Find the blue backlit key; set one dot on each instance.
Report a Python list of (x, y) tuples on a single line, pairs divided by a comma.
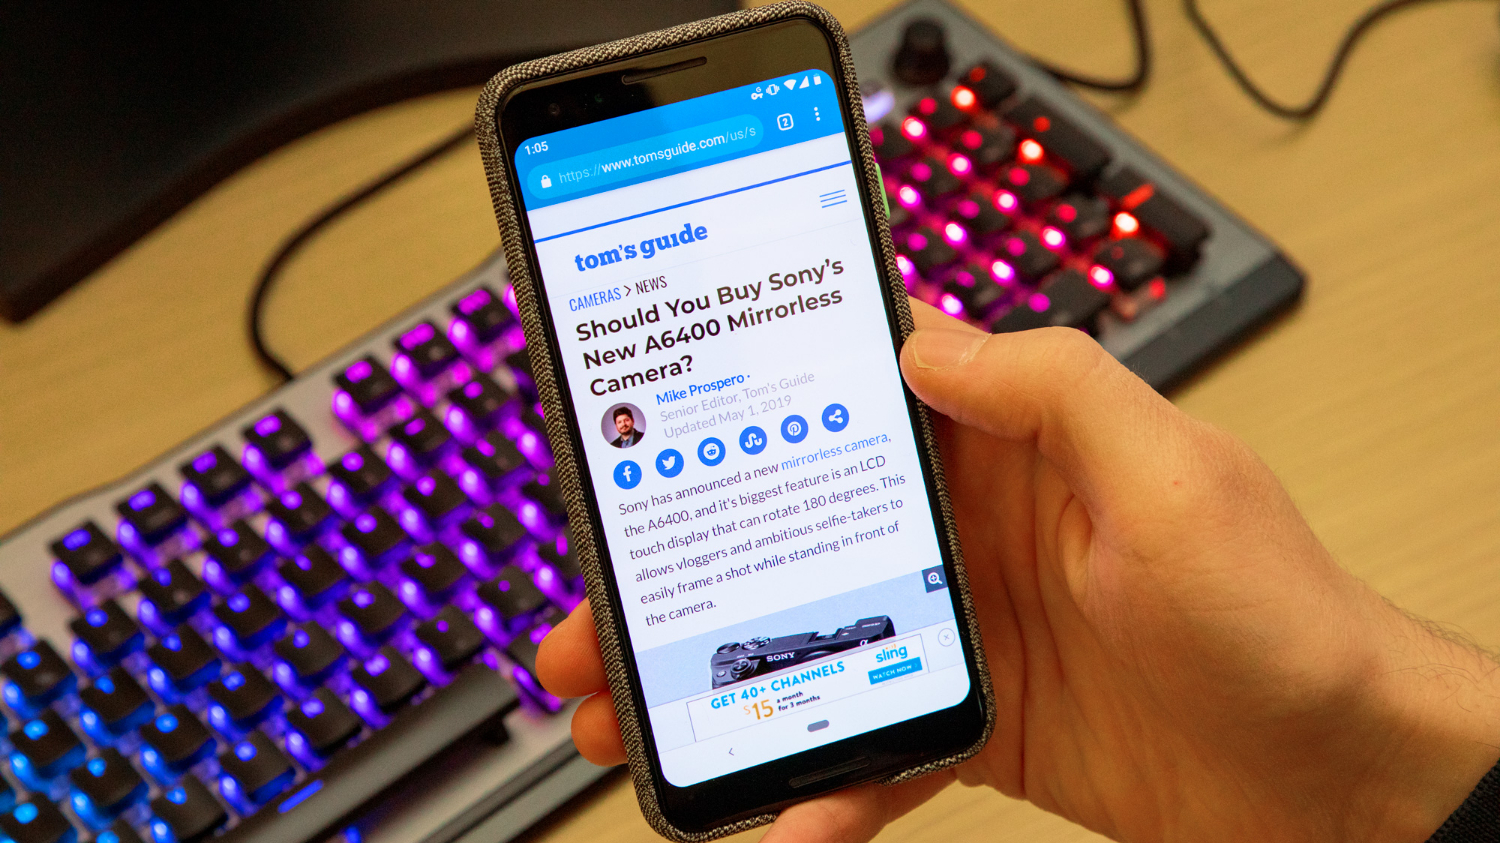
[(308, 654), (174, 741), (113, 705), (373, 614), (36, 821), (105, 785), (183, 662), (37, 676), (249, 617), (242, 698), (152, 514), (105, 635), (321, 724), (87, 553), (254, 770), (186, 813), (312, 577), (45, 747), (236, 553), (171, 594), (384, 682)]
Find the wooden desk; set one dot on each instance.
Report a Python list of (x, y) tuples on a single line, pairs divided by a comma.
[(1378, 402)]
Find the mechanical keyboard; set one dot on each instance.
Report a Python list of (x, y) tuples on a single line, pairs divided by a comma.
[(319, 618)]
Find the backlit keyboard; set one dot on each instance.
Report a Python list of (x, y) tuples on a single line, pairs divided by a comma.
[(319, 618)]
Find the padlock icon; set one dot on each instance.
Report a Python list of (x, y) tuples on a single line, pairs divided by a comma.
[(546, 182)]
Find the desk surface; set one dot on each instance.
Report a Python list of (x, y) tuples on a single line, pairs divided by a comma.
[(1377, 402)]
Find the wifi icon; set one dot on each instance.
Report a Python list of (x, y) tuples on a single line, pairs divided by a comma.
[(791, 83)]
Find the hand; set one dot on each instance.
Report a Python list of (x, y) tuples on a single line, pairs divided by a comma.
[(1175, 655)]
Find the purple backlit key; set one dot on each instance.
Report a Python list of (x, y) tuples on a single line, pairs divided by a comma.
[(300, 510), (87, 553), (152, 513), (368, 384), (422, 436), (278, 438), (216, 475), (485, 314), (362, 473), (481, 399), (427, 349)]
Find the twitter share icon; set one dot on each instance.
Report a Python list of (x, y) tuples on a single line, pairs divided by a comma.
[(627, 475), (669, 463)]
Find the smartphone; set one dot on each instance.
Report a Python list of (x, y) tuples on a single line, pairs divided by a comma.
[(713, 314)]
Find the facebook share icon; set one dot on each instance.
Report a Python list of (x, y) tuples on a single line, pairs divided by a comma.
[(711, 451), (627, 475), (835, 417), (752, 440), (669, 463)]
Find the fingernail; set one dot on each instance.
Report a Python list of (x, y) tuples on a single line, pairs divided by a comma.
[(944, 349)]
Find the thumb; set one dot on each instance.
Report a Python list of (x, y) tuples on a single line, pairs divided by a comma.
[(1104, 429)]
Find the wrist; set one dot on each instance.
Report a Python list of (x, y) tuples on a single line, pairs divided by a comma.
[(1434, 728)]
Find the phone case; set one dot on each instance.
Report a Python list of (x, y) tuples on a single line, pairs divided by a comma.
[(581, 533)]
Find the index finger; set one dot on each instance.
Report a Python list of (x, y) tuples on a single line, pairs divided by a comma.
[(569, 663)]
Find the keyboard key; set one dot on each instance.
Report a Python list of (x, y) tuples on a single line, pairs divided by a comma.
[(939, 113), (300, 510), (216, 475), (990, 84), (523, 648), (475, 701), (87, 553), (386, 681), (36, 821), (172, 595), (889, 143), (1064, 142), (310, 653), (368, 383), (244, 698), (1035, 184), (1082, 218), (549, 495), (485, 313), (373, 612), (258, 769), (1179, 231), (509, 602), (436, 496), (44, 747), (251, 617), (375, 534), (183, 662), (109, 783), (481, 399), (1026, 254), (363, 474), (451, 637), (981, 218), (1132, 261), (427, 349), (496, 533), (238, 551), (496, 458), (114, 705), (975, 290), (279, 438), (519, 363), (323, 723), (152, 513), (120, 831), (1072, 300), (435, 572), (422, 435), (988, 147), (37, 676), (106, 634), (933, 180), (177, 739), (565, 563), (314, 576), (186, 813)]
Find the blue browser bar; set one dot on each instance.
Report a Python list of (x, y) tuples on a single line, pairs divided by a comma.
[(672, 151), (674, 138)]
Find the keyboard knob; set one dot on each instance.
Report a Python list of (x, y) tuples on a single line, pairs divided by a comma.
[(923, 56)]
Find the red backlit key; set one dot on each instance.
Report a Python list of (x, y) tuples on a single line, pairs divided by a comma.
[(890, 144), (933, 179), (1024, 251), (980, 216), (938, 113), (1132, 261), (1072, 300), (1179, 231), (1080, 217), (988, 148), (928, 250), (989, 83), (1062, 141), (1035, 184)]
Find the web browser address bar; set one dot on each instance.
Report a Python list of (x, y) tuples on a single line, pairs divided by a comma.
[(593, 170)]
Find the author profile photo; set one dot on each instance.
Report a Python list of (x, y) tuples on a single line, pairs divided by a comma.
[(623, 426)]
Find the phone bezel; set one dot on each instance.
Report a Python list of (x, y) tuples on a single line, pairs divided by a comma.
[(746, 56)]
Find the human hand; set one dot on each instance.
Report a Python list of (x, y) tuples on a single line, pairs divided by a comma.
[(1175, 655)]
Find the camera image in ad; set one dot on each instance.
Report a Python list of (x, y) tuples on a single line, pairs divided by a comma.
[(741, 660), (624, 425)]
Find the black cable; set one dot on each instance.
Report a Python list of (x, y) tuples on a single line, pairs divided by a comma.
[(1335, 68), (292, 244), (1130, 84)]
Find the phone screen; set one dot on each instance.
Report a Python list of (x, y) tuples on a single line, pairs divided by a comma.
[(727, 350)]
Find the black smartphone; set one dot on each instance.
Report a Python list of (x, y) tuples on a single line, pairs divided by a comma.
[(713, 314)]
